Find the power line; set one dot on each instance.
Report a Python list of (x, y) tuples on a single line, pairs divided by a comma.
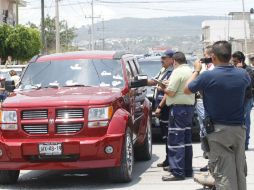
[(128, 2)]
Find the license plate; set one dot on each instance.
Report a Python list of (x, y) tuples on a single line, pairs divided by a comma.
[(50, 149)]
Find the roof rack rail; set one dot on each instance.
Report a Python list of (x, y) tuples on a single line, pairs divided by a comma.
[(34, 58), (119, 54)]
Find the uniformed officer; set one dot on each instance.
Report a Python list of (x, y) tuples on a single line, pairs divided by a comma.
[(181, 116), (224, 94), (162, 109)]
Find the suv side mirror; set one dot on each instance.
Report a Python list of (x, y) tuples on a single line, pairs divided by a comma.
[(139, 81), (10, 86)]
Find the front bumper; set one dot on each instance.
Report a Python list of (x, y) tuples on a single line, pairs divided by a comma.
[(86, 153)]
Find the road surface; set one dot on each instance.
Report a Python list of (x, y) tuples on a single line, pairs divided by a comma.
[(146, 175)]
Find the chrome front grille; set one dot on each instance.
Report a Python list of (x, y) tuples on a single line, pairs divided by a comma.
[(34, 114), (68, 128), (69, 113), (36, 129)]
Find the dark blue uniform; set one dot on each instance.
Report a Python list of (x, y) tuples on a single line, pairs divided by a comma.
[(164, 117)]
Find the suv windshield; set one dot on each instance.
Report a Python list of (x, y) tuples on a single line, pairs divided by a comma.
[(64, 73)]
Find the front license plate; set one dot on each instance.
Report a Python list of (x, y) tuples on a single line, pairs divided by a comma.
[(50, 149)]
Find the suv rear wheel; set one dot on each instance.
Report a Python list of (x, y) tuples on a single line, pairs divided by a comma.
[(9, 176), (144, 152), (123, 173)]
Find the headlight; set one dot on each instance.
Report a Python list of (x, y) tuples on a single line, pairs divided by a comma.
[(9, 120), (96, 114), (99, 117)]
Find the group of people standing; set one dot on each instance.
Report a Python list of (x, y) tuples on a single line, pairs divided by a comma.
[(224, 106)]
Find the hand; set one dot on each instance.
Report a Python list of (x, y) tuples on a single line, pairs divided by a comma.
[(166, 82), (158, 112), (198, 66), (160, 89)]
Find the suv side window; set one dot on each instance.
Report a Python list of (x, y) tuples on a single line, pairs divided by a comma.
[(133, 67), (128, 70), (137, 66)]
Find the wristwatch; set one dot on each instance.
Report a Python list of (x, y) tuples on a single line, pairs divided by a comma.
[(159, 107)]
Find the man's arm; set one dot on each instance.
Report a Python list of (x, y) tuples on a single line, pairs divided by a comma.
[(151, 83), (173, 84), (198, 68), (169, 93), (161, 105)]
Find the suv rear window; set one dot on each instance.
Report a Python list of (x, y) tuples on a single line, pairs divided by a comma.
[(103, 73)]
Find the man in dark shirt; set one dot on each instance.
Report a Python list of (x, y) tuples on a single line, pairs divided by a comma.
[(238, 59), (223, 93)]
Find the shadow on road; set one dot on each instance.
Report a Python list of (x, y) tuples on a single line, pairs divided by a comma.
[(76, 179)]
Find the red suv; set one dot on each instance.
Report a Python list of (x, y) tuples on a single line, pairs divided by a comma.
[(79, 110)]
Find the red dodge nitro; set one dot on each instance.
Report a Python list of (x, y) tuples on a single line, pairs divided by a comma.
[(79, 110)]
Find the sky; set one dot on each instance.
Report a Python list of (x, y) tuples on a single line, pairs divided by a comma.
[(77, 12)]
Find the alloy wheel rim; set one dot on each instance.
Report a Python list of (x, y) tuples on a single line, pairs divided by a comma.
[(129, 154)]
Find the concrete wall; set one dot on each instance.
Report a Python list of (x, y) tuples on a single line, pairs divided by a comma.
[(10, 6), (216, 30)]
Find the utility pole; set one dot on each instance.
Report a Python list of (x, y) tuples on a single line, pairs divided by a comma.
[(66, 36), (90, 38), (17, 12), (92, 29), (42, 27), (57, 26), (92, 35), (245, 29), (102, 29), (103, 34)]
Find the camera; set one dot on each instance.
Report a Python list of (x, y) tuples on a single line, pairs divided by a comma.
[(206, 60)]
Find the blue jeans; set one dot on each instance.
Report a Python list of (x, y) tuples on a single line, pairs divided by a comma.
[(247, 110), (201, 116)]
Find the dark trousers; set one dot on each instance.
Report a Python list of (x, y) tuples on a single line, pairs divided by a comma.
[(164, 121), (247, 111), (179, 141)]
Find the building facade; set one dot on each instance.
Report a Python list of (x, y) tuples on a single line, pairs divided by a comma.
[(230, 29), (8, 11)]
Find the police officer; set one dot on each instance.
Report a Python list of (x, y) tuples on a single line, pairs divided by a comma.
[(181, 116), (162, 109), (223, 95)]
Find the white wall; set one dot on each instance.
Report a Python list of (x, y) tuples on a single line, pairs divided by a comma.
[(225, 29)]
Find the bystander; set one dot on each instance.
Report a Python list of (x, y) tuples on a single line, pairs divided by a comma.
[(224, 93)]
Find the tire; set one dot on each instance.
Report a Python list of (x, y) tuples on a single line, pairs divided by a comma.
[(123, 174), (144, 152), (9, 176)]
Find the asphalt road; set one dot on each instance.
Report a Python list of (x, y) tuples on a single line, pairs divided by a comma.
[(146, 175)]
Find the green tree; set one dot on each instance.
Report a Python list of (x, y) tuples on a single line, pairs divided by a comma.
[(5, 31), (23, 43), (67, 35)]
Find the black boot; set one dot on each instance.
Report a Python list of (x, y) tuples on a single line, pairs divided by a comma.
[(204, 169), (163, 164)]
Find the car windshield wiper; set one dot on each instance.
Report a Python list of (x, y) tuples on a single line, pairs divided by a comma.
[(77, 85)]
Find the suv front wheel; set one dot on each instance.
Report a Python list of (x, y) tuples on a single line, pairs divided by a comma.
[(9, 176), (144, 152), (124, 172)]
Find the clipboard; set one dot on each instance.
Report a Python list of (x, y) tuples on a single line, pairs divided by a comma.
[(159, 82)]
